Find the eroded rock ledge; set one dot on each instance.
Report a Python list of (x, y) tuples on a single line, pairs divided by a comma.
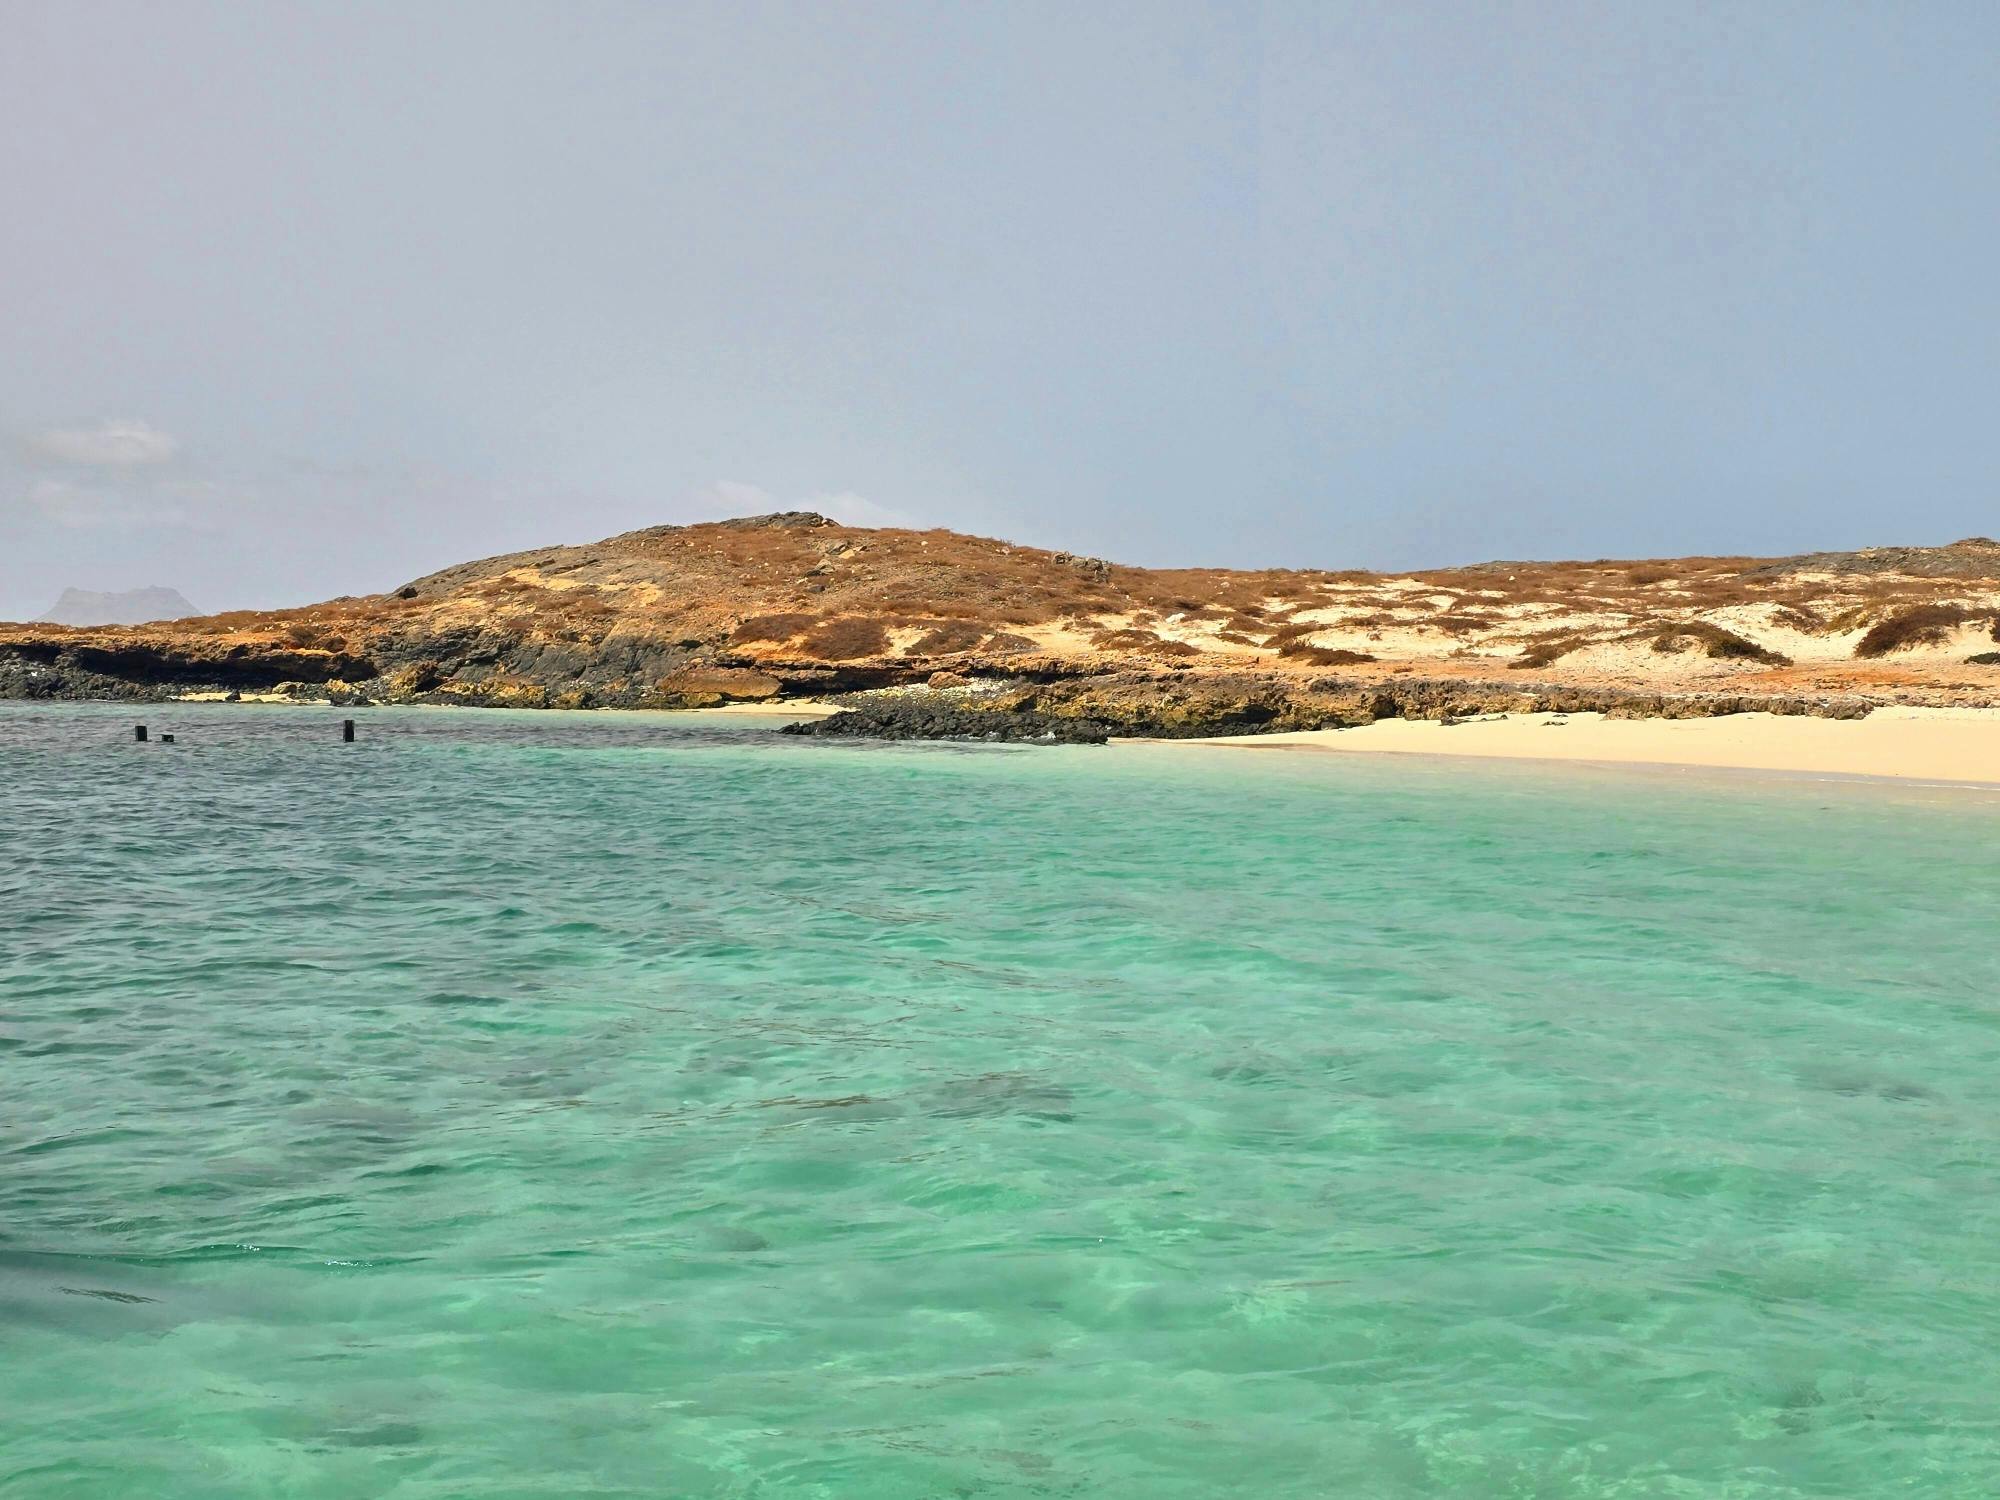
[(1187, 705), (1072, 700), (931, 718)]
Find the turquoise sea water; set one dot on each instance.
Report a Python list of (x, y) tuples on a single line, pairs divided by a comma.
[(547, 1106)]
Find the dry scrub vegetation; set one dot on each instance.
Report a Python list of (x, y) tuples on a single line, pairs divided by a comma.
[(1923, 625), (773, 592)]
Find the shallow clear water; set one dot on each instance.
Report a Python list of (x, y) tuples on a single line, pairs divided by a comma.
[(522, 1106)]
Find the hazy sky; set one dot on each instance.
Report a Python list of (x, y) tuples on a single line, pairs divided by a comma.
[(301, 299)]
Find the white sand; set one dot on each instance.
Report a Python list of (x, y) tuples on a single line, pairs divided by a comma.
[(1926, 744)]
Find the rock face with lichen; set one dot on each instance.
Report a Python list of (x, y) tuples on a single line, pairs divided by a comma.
[(767, 609)]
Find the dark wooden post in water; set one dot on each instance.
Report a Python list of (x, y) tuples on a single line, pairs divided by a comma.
[(347, 731), (139, 732), (166, 739)]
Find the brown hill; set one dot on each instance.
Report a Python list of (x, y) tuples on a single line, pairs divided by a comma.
[(792, 604)]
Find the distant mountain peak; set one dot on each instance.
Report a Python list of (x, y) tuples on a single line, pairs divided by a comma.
[(129, 607)]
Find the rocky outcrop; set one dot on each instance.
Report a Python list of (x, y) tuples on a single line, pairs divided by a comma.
[(929, 718), (97, 665), (793, 605), (29, 677), (1971, 557), (1189, 706), (1171, 705)]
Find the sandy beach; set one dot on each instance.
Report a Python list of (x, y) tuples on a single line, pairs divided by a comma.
[(1921, 744), (1906, 743)]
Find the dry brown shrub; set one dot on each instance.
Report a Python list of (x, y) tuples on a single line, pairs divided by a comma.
[(313, 636), (1544, 653), (1322, 656), (1003, 642), (781, 627), (235, 620), (1284, 635), (1718, 593), (948, 636), (371, 610), (1141, 640), (1922, 625), (1715, 642), (846, 638), (1645, 577)]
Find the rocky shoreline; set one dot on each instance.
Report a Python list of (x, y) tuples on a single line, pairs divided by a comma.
[(1050, 706), (1198, 705), (928, 718), (936, 635)]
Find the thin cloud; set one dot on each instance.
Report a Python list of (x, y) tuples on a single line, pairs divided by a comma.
[(87, 507), (735, 497), (851, 509), (115, 443)]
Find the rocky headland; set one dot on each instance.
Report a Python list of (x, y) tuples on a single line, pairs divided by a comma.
[(935, 634)]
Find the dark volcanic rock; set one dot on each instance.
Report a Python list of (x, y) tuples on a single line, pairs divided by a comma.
[(1164, 705), (32, 678), (1973, 557), (778, 520), (927, 719), (121, 667)]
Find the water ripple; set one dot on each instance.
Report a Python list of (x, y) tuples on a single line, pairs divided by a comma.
[(515, 1105)]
